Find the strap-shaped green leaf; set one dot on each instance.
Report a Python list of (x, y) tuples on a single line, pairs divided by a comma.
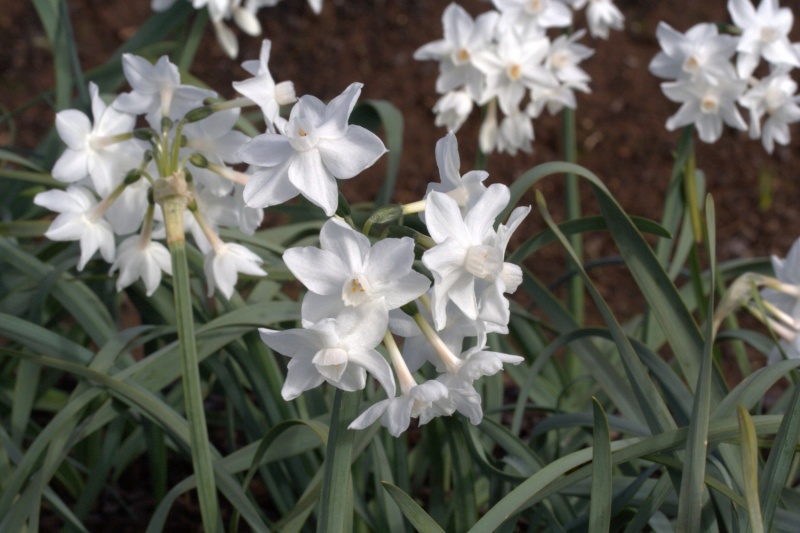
[(412, 510)]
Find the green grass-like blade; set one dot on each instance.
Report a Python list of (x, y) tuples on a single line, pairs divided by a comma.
[(600, 505), (692, 497), (74, 296), (570, 469), (773, 478), (581, 225), (657, 415), (750, 469), (412, 510), (335, 511), (392, 120)]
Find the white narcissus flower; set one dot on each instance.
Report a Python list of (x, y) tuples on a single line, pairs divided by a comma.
[(787, 272), (463, 38), (765, 33), (102, 150), (415, 401), (532, 17), (705, 105), (218, 142), (700, 52), (467, 260), (157, 90), (601, 16), (452, 109), (338, 350), (515, 133), (223, 264), (773, 96), (565, 55), (514, 66), (263, 90), (319, 148), (466, 190), (396, 413), (143, 258), (461, 372), (80, 219), (348, 272)]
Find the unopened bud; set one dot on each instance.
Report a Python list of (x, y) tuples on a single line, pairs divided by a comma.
[(147, 156), (386, 214), (199, 113), (198, 160), (419, 238), (132, 176), (144, 134)]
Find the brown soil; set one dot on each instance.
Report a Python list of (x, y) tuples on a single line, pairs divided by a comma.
[(621, 134)]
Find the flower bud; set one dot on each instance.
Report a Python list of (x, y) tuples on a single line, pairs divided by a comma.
[(386, 214), (198, 160), (199, 113), (133, 176), (144, 134)]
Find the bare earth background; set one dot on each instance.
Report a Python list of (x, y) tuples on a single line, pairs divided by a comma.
[(621, 134)]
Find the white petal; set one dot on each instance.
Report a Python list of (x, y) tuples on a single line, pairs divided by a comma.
[(347, 156), (71, 166), (320, 271), (74, 128), (313, 180), (443, 219), (376, 365), (269, 186), (349, 245), (338, 112), (481, 216), (368, 417)]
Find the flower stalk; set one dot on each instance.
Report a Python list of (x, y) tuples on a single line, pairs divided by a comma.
[(337, 483), (172, 194)]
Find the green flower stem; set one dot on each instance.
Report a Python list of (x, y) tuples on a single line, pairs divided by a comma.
[(172, 195), (334, 512), (575, 300), (690, 192)]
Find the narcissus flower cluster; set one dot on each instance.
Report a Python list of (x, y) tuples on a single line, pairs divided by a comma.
[(506, 58), (244, 14), (363, 294), (711, 74), (111, 168), (441, 293)]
